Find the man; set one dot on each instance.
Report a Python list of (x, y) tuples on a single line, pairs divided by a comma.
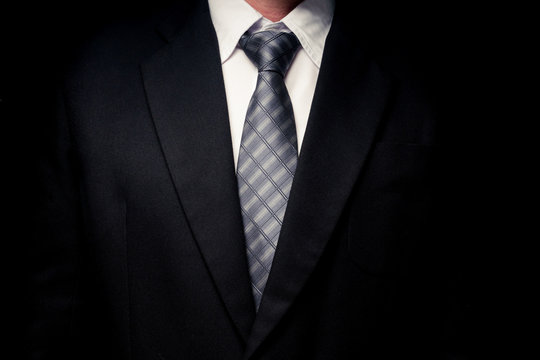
[(156, 240)]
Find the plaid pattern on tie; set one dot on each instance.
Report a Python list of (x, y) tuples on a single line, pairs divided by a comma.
[(268, 152)]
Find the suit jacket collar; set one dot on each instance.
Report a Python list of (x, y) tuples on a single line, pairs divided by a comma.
[(186, 94)]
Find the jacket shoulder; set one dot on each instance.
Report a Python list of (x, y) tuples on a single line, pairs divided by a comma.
[(124, 41)]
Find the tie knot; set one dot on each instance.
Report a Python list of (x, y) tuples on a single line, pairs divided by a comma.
[(270, 50)]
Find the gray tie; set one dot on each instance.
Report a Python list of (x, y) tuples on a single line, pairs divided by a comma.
[(268, 152)]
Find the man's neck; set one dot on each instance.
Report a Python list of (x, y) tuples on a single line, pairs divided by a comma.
[(274, 10)]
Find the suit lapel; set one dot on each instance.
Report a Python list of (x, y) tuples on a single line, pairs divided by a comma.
[(349, 101), (186, 94)]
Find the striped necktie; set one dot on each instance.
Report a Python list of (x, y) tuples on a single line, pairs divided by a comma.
[(268, 151)]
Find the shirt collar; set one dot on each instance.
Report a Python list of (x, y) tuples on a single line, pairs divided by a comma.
[(310, 21)]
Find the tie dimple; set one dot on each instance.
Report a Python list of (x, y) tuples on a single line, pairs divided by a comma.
[(268, 152)]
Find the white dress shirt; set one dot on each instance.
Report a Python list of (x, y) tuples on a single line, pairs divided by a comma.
[(310, 22)]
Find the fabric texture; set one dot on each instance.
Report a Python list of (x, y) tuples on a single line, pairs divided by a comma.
[(268, 152)]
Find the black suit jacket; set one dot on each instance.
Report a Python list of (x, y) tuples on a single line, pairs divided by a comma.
[(141, 254)]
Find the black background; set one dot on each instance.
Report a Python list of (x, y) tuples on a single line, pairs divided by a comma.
[(449, 46)]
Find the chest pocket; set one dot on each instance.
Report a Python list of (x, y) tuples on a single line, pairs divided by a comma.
[(389, 207)]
